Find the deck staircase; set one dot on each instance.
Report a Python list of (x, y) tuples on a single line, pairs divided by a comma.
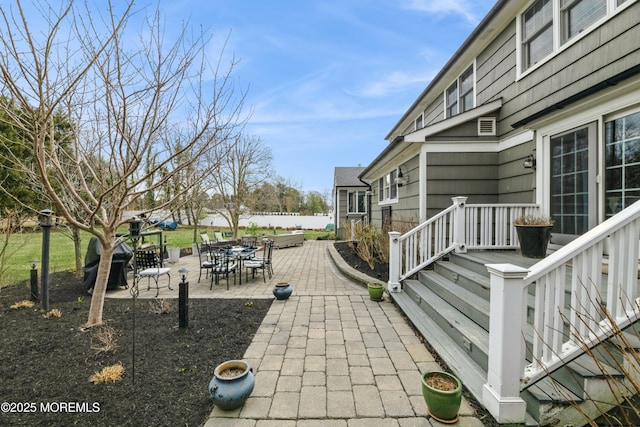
[(449, 305), (544, 342)]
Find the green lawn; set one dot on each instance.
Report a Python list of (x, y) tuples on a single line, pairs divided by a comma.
[(27, 246)]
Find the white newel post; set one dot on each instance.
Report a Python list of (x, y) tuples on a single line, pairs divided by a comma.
[(459, 235), (395, 258), (501, 392)]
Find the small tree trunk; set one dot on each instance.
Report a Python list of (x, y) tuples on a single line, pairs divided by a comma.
[(100, 288), (77, 246)]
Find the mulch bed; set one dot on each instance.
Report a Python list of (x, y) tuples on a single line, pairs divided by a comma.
[(46, 363), (380, 269)]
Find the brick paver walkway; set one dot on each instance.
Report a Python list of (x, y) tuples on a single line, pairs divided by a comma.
[(327, 356)]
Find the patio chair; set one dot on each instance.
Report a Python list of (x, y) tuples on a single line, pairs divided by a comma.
[(219, 237), (206, 241), (149, 265), (263, 263), (206, 261), (223, 266), (249, 241)]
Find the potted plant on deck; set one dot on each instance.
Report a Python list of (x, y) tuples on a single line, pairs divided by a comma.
[(534, 233)]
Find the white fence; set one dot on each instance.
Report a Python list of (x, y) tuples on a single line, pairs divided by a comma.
[(305, 222)]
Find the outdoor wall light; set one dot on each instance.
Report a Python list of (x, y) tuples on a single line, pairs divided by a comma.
[(529, 162), (401, 179)]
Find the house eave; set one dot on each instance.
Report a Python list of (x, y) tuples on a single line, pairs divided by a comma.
[(421, 135), (403, 143), (391, 152), (500, 15)]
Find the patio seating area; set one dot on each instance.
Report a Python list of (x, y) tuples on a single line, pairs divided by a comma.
[(284, 266)]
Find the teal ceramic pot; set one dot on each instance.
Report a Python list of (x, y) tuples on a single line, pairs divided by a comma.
[(282, 290), (231, 385), (442, 404), (376, 290)]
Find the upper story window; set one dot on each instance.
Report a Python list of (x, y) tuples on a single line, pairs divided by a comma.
[(419, 122), (387, 187), (459, 96), (356, 202), (577, 15), (547, 25), (537, 32)]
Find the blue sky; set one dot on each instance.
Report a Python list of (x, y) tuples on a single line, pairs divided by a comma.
[(328, 79)]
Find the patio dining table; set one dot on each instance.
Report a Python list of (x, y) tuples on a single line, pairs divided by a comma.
[(239, 254)]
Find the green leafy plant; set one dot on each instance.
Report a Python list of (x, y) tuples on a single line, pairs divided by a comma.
[(252, 229)]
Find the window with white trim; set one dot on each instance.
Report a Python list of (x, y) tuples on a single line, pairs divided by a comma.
[(459, 97), (356, 202), (418, 124), (547, 25), (622, 163), (388, 188)]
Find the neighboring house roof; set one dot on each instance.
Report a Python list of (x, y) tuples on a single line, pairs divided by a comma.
[(347, 176)]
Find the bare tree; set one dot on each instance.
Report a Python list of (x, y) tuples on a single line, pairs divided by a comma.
[(125, 98), (244, 165)]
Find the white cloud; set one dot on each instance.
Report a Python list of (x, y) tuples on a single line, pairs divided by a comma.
[(439, 7), (394, 82)]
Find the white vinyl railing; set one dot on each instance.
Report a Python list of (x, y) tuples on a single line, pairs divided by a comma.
[(459, 227), (589, 290), (599, 273)]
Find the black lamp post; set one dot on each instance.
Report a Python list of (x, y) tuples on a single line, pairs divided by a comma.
[(44, 218), (134, 233), (34, 280), (183, 300)]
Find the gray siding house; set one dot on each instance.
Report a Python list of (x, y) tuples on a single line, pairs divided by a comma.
[(350, 196), (536, 113), (557, 87)]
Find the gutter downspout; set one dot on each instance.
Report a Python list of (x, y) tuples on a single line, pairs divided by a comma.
[(368, 199)]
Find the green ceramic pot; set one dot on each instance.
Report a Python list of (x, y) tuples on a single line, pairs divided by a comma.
[(442, 404), (375, 291)]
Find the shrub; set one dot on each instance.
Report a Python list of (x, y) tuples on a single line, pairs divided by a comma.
[(53, 313), (534, 220), (161, 306), (366, 242), (23, 304), (108, 374), (106, 337)]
